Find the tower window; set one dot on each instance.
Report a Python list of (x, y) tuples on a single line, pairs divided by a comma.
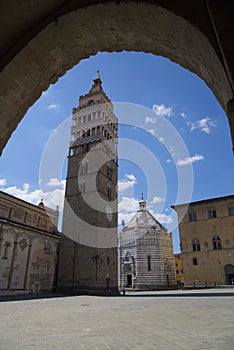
[(217, 244), (149, 262), (231, 211), (108, 260), (212, 214), (196, 245), (194, 261)]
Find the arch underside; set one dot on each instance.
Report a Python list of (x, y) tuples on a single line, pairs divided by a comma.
[(111, 27)]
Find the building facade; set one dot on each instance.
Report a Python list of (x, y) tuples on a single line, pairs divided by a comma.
[(145, 253), (88, 253), (179, 270), (29, 243), (207, 241)]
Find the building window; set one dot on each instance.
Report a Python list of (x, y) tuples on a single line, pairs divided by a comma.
[(194, 261), (212, 214), (216, 243), (6, 250), (196, 245), (149, 262), (192, 216), (231, 211), (177, 271), (108, 260)]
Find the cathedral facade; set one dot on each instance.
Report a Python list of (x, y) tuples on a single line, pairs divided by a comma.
[(29, 244), (145, 253), (88, 252)]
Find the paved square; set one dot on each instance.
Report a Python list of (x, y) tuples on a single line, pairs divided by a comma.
[(188, 320)]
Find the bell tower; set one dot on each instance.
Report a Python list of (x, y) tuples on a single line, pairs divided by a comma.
[(88, 252)]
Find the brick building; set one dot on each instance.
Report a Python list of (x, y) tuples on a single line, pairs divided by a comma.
[(207, 241), (29, 242)]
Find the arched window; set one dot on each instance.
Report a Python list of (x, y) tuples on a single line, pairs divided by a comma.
[(217, 243), (194, 261), (196, 245), (192, 216)]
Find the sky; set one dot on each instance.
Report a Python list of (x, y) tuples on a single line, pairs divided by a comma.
[(174, 137)]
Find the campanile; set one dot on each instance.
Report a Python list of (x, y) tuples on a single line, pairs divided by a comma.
[(88, 253)]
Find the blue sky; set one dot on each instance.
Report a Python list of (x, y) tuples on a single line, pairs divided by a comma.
[(161, 91)]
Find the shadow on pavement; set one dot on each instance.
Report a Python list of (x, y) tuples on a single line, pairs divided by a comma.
[(177, 294)]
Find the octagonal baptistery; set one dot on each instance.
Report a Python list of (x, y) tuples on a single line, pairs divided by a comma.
[(145, 253)]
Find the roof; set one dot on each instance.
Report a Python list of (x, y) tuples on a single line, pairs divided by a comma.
[(143, 219), (204, 201), (98, 136)]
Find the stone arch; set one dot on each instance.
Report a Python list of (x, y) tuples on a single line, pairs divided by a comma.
[(71, 34)]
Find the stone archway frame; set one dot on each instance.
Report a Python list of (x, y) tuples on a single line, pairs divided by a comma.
[(110, 27)]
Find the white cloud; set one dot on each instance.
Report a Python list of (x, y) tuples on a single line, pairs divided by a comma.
[(169, 160), (150, 120), (131, 177), (162, 110), (126, 217), (127, 208), (204, 125), (124, 184), (54, 106), (189, 160), (183, 115), (162, 218), (156, 199), (50, 198), (2, 182), (128, 204), (54, 182)]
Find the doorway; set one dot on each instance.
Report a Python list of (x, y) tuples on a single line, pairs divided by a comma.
[(229, 273), (129, 281)]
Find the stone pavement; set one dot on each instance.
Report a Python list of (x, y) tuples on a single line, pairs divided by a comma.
[(191, 320)]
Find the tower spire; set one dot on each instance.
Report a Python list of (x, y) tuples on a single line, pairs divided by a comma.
[(97, 78), (142, 203)]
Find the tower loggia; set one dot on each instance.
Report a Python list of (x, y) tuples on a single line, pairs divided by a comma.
[(88, 253)]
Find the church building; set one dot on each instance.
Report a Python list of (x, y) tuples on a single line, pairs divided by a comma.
[(29, 244), (88, 252), (145, 253)]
